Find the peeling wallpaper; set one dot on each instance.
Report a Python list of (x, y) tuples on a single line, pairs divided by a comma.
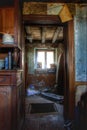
[(46, 8), (81, 44), (34, 8)]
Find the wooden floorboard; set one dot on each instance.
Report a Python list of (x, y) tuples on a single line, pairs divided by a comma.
[(44, 121)]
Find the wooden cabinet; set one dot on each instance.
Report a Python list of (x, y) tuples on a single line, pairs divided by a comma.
[(11, 100), (16, 55), (10, 22), (11, 80)]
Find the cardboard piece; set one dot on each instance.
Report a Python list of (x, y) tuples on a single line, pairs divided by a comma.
[(65, 14)]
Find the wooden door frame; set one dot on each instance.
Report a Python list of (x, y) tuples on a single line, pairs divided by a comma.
[(69, 92)]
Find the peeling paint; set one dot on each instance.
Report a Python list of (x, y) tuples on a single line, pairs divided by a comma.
[(81, 44)]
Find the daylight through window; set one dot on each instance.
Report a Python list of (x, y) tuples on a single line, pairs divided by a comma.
[(44, 58)]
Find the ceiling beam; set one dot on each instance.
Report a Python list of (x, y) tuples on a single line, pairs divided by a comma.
[(43, 34), (28, 34), (56, 34), (46, 42), (42, 20)]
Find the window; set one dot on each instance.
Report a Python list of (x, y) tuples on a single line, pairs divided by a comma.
[(44, 58)]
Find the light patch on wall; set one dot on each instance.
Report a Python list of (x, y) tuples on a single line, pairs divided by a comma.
[(54, 9)]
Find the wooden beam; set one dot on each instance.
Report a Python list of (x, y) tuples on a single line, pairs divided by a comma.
[(58, 1), (56, 34), (43, 34), (28, 34), (41, 20)]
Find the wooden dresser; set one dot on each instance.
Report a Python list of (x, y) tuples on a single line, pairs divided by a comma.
[(11, 100)]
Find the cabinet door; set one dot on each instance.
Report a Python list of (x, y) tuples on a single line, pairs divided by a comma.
[(7, 20), (5, 108)]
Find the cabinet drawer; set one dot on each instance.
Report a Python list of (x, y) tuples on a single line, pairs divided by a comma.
[(5, 80)]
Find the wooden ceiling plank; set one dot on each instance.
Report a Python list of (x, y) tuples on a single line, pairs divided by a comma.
[(43, 34), (28, 34), (56, 34)]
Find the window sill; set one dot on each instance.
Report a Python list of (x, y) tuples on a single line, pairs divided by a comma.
[(45, 71)]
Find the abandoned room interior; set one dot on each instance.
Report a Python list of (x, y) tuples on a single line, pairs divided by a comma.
[(43, 71)]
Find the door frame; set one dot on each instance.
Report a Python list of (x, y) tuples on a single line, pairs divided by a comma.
[(69, 93), (69, 90)]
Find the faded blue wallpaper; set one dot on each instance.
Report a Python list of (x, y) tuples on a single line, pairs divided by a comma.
[(81, 43)]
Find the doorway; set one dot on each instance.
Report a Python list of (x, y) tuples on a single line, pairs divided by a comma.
[(45, 57), (45, 38), (68, 55)]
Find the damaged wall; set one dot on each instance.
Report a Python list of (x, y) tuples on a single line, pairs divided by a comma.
[(49, 79), (81, 43), (80, 51)]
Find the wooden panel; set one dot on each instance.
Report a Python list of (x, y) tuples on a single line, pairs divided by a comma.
[(5, 80), (8, 79), (70, 94), (18, 24), (20, 107), (80, 83), (42, 19), (5, 108), (0, 19), (7, 20), (11, 99), (19, 77)]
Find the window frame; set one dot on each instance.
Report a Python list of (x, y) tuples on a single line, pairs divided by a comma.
[(45, 50)]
